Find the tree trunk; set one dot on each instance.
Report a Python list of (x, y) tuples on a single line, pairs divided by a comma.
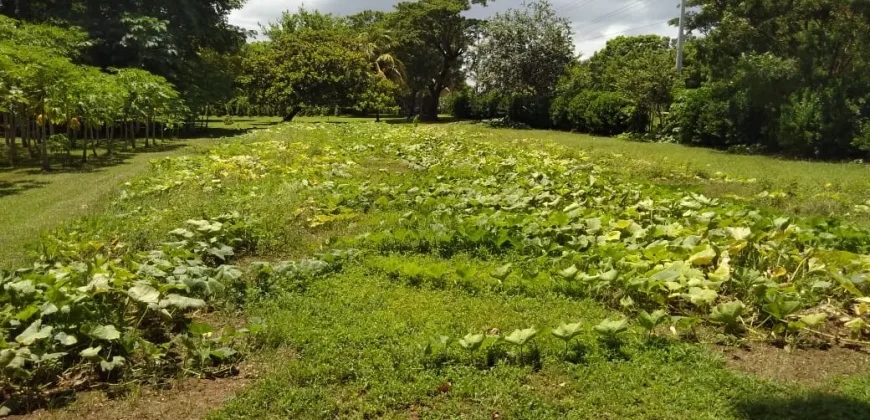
[(132, 136), (46, 163), (430, 111), (10, 138), (110, 134), (293, 113), (94, 137), (85, 144), (378, 116)]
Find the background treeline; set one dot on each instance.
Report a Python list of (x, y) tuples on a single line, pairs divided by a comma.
[(771, 76), (768, 76), (87, 74)]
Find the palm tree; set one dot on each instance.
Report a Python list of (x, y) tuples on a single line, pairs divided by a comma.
[(377, 44)]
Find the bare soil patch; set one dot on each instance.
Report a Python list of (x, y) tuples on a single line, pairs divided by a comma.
[(809, 366), (187, 399)]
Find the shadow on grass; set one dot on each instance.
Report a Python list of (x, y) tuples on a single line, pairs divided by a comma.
[(231, 131), (8, 188), (816, 406), (61, 163)]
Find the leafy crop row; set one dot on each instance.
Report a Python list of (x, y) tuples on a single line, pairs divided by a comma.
[(91, 311)]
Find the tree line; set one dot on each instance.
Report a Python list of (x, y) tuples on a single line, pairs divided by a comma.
[(766, 76), (771, 76), (51, 103)]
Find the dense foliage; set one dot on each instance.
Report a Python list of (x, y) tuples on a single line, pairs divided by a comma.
[(51, 103), (782, 77), (173, 39)]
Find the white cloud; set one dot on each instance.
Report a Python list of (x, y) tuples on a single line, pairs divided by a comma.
[(594, 21)]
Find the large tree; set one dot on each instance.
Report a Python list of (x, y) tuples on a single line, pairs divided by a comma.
[(437, 36), (313, 60), (523, 51)]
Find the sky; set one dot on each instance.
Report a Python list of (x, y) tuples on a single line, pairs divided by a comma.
[(593, 21)]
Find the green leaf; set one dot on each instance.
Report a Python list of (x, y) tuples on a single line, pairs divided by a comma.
[(144, 293), (569, 272), (108, 366), (34, 333), (611, 328), (91, 353), (65, 339), (502, 272), (105, 332), (740, 233), (567, 332), (727, 313), (701, 297), (181, 302), (780, 308), (650, 321), (471, 342), (704, 257), (814, 320), (184, 233), (200, 329), (223, 353), (521, 337)]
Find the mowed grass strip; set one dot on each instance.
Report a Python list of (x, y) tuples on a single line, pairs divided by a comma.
[(360, 340), (33, 202)]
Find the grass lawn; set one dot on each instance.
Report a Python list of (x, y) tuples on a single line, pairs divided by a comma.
[(437, 221), (33, 201)]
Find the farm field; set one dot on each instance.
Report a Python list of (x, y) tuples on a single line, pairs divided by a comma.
[(408, 271)]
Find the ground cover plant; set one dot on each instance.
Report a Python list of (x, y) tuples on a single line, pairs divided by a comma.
[(435, 270)]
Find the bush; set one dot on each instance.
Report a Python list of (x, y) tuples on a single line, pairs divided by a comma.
[(459, 105), (530, 110), (595, 112), (698, 117)]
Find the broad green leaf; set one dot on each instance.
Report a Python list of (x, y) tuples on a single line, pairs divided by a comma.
[(612, 327), (650, 321), (569, 272), (91, 353), (116, 362), (65, 339), (740, 233), (223, 353), (471, 342), (502, 272), (780, 308), (567, 332), (700, 297), (105, 332), (184, 233), (814, 320), (181, 302), (200, 329), (704, 257), (34, 333), (727, 313), (521, 337), (144, 293)]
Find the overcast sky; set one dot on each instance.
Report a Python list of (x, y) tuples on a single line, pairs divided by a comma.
[(594, 21)]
